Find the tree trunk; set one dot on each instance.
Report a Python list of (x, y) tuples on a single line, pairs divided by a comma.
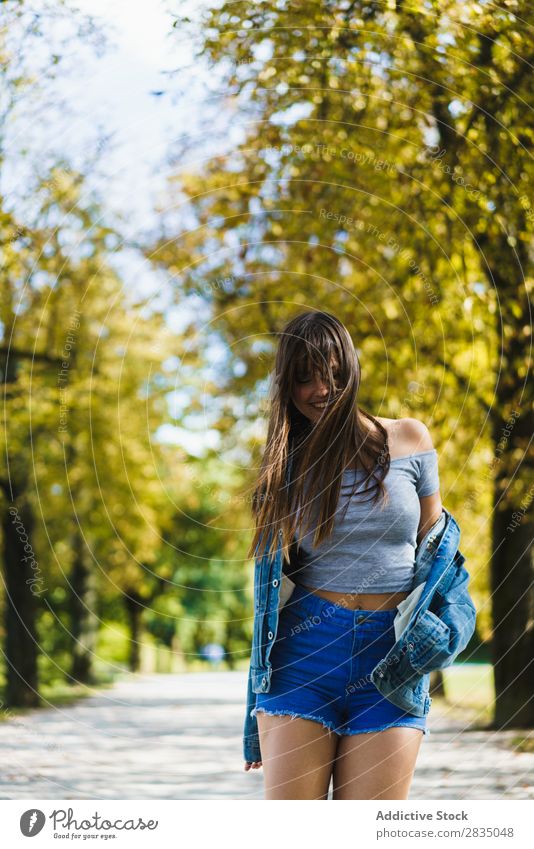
[(84, 620), (24, 584), (134, 608), (513, 605), (512, 588), (437, 684)]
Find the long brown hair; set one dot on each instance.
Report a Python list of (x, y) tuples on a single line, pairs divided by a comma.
[(319, 451)]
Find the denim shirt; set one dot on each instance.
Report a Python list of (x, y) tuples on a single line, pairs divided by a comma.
[(433, 625)]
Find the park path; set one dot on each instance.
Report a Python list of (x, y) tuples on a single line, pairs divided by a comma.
[(179, 737)]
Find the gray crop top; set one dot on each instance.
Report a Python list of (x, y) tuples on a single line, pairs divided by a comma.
[(372, 548)]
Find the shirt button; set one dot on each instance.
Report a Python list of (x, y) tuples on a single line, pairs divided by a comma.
[(264, 681), (380, 674), (275, 582), (410, 645), (270, 635)]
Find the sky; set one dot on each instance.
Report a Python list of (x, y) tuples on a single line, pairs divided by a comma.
[(118, 92), (120, 95)]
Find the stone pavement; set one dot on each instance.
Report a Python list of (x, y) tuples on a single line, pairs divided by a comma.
[(179, 737)]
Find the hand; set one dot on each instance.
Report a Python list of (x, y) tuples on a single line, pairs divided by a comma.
[(252, 764)]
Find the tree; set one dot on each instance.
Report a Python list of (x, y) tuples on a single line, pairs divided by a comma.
[(24, 72), (75, 422), (383, 173)]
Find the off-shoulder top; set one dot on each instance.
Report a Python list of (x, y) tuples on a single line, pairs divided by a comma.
[(372, 547)]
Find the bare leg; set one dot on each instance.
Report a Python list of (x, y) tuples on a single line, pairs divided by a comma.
[(376, 765), (297, 756)]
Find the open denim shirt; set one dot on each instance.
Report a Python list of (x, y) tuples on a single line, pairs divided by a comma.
[(433, 624)]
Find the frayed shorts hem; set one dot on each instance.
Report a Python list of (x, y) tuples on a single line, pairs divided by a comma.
[(399, 724), (328, 725), (294, 715)]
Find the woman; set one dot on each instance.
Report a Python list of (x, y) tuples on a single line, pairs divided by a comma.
[(364, 490)]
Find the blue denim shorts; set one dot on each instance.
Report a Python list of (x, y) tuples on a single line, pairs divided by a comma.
[(322, 659)]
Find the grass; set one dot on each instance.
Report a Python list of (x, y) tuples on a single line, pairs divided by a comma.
[(469, 697), (523, 742), (58, 694), (469, 688)]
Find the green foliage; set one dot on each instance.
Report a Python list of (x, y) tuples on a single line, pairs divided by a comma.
[(383, 174)]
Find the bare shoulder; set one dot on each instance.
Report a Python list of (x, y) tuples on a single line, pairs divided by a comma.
[(394, 432), (406, 436), (414, 435)]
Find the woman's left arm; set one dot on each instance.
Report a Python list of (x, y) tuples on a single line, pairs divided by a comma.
[(431, 509), (417, 434)]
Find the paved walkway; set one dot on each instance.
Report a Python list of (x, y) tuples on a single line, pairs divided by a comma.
[(179, 737)]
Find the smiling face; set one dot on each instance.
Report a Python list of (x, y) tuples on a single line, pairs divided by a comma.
[(311, 393)]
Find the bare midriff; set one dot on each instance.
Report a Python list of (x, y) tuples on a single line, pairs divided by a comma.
[(361, 601)]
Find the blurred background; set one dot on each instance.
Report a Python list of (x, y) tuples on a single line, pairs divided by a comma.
[(177, 180)]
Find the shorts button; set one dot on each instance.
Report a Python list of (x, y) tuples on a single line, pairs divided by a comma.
[(270, 635), (275, 582)]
